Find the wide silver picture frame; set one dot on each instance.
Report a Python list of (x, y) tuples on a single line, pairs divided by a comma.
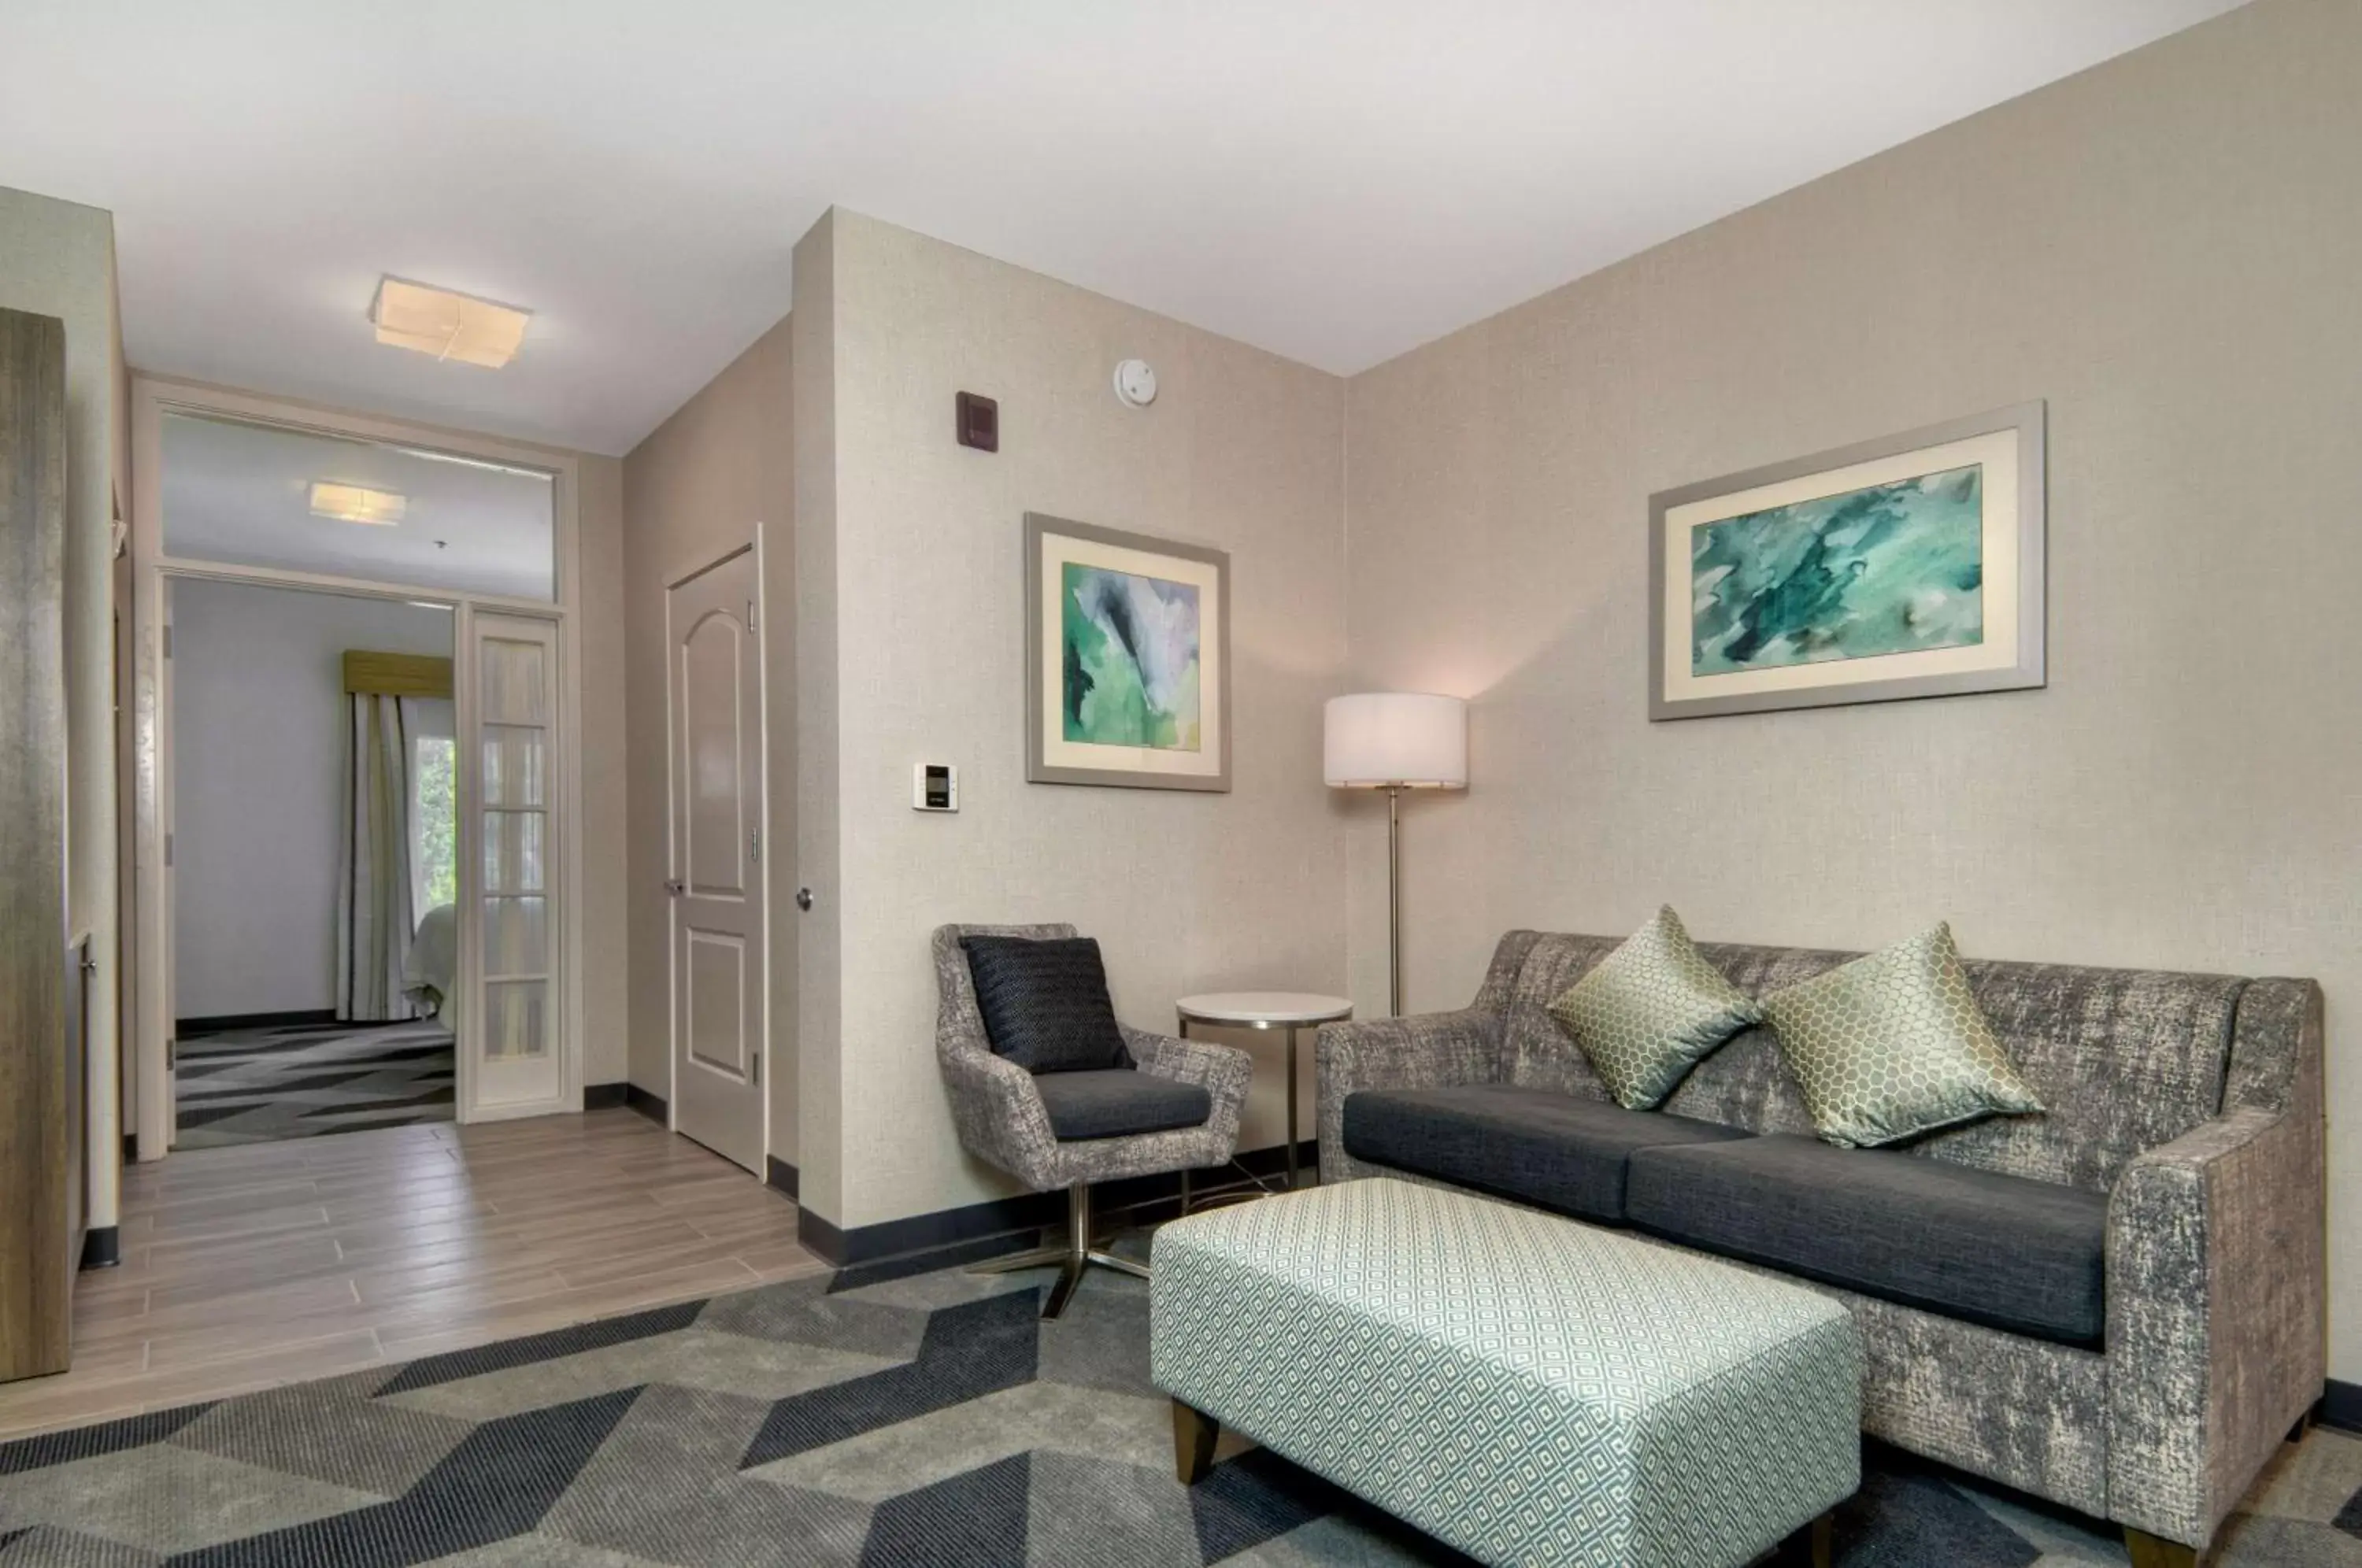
[(2027, 419), (1037, 770)]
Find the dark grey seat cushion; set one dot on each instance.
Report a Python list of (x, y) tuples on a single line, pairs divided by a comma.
[(1118, 1101), (2003, 1250), (1561, 1151)]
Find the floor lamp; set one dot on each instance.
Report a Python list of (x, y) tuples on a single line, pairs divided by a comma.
[(1395, 741)]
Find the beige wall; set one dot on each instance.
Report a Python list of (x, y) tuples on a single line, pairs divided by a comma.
[(699, 486), (57, 258), (2166, 248), (1185, 891)]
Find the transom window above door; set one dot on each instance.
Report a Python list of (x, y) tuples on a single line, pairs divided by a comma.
[(267, 495)]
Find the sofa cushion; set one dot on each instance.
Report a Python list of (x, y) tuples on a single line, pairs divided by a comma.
[(1044, 1002), (1117, 1102), (2003, 1250), (2125, 1059), (1651, 1010), (1560, 1152), (1893, 1045)]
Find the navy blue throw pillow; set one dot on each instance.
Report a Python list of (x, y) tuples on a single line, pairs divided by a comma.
[(1045, 1003)]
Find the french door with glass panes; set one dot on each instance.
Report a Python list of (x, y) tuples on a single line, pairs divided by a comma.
[(511, 1063)]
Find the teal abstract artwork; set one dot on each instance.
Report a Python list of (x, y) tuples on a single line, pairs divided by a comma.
[(1890, 568), (1129, 647)]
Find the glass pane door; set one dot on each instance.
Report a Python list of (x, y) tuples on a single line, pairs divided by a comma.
[(516, 1053)]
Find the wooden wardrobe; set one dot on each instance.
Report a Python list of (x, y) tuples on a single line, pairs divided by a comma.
[(41, 1173)]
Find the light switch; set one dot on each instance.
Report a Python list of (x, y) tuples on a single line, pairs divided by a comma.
[(934, 787)]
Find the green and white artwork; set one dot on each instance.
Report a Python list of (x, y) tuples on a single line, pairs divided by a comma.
[(1889, 569), (1129, 659)]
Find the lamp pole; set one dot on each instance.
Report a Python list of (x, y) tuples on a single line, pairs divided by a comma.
[(1394, 899)]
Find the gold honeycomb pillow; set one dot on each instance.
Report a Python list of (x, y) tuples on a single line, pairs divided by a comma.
[(1651, 1010), (1893, 1045)]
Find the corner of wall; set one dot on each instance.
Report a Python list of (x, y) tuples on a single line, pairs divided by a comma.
[(819, 948)]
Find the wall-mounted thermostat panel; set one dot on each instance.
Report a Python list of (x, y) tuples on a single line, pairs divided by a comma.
[(934, 787)]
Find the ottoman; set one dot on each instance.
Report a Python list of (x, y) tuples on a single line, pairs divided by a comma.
[(1523, 1387)]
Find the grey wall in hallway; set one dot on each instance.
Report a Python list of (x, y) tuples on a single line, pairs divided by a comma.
[(259, 737)]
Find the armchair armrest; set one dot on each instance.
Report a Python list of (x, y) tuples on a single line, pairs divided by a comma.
[(1222, 1071), (1431, 1051), (2216, 1299), (1000, 1116)]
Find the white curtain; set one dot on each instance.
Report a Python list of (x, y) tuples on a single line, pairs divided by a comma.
[(374, 918)]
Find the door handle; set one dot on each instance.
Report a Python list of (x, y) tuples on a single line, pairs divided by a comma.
[(674, 886)]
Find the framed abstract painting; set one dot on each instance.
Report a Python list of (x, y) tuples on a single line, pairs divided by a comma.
[(1127, 658), (1908, 567)]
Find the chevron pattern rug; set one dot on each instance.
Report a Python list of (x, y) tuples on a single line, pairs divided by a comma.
[(925, 1420), (257, 1086)]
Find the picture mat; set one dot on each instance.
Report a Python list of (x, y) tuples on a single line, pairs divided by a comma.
[(1057, 550), (1996, 452)]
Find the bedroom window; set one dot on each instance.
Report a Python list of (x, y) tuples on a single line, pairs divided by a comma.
[(434, 825)]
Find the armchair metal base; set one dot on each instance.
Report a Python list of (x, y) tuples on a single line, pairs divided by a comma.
[(1070, 1259)]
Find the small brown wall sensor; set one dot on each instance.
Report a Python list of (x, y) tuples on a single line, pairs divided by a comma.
[(979, 423)]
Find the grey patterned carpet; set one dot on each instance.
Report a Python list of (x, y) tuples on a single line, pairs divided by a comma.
[(256, 1086), (864, 1420)]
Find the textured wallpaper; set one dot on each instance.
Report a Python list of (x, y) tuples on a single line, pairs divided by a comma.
[(2163, 249)]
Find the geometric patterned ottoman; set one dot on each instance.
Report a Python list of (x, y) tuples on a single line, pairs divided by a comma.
[(1526, 1389)]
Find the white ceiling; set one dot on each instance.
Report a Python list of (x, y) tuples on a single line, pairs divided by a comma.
[(1334, 180), (241, 493)]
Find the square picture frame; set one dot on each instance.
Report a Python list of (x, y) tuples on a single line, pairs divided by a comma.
[(1127, 658), (1910, 566)]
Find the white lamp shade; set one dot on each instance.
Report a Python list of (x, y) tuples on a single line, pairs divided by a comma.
[(1410, 738)]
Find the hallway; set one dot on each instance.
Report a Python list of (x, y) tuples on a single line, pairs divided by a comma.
[(253, 1265)]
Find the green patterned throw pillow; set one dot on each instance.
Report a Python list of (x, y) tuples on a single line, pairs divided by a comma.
[(1893, 1045), (1651, 1010)]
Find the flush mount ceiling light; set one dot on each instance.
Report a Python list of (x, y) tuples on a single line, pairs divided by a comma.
[(357, 503), (448, 325)]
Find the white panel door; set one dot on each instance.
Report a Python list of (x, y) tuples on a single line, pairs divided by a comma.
[(715, 697), (511, 1047)]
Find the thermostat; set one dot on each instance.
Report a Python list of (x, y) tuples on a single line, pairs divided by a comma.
[(934, 787)]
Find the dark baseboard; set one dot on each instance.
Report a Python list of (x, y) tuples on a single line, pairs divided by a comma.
[(819, 1237), (651, 1106), (2341, 1407), (102, 1246), (1136, 1200), (779, 1174), (605, 1097), (191, 1028)]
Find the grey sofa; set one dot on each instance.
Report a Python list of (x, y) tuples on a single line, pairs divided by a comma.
[(2117, 1305)]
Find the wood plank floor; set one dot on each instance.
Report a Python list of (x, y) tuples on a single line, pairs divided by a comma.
[(245, 1267)]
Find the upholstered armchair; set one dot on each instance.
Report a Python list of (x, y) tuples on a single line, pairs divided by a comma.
[(1069, 1131)]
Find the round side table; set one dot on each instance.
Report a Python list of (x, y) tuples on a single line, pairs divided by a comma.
[(1290, 1011)]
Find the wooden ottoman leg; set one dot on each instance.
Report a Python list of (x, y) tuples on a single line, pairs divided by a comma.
[(1824, 1533), (2148, 1551), (1194, 1436)]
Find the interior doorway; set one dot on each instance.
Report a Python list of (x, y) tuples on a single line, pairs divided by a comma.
[(315, 868), (443, 981), (714, 698)]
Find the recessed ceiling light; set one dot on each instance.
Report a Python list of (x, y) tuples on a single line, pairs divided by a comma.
[(448, 325), (357, 503)]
